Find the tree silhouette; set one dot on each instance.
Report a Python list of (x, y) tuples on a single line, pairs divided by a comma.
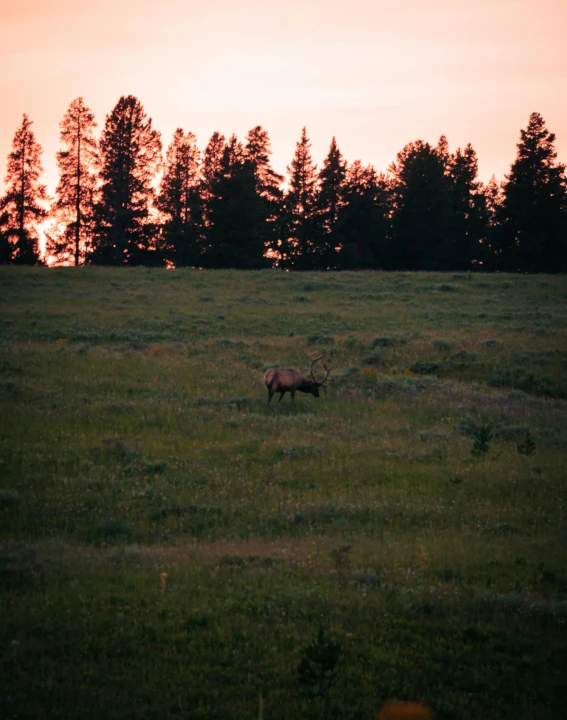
[(130, 156), (75, 198), (422, 212), (257, 151), (237, 214), (180, 201), (298, 243), (210, 172), (363, 221), (532, 235), (470, 213), (21, 208), (327, 205)]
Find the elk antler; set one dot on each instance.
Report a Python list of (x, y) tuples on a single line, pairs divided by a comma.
[(328, 369), (325, 364), (313, 361)]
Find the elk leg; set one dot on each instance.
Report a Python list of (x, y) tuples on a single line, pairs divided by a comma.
[(281, 396)]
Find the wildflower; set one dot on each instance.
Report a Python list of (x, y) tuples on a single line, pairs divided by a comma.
[(156, 350)]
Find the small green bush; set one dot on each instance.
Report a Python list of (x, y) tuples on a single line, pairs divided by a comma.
[(423, 367), (482, 439)]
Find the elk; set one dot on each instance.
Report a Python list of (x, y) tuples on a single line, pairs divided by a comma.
[(282, 381)]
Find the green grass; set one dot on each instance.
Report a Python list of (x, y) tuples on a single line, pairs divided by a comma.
[(359, 529)]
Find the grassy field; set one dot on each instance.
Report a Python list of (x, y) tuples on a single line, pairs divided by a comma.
[(171, 546)]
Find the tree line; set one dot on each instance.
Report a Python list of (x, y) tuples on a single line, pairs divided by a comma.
[(120, 202)]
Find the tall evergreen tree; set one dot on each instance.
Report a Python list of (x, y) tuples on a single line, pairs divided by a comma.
[(363, 221), (211, 169), (299, 242), (22, 207), (180, 201), (75, 198), (533, 235), (130, 156), (236, 235), (422, 215), (470, 214), (327, 205), (257, 151)]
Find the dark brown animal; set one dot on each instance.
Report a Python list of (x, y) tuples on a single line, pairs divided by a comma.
[(281, 381)]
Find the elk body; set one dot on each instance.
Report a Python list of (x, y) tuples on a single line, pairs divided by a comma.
[(281, 381)]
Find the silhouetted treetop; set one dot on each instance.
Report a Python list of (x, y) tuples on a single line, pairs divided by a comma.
[(22, 207), (131, 156)]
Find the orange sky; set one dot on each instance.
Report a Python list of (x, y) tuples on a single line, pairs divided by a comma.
[(376, 74)]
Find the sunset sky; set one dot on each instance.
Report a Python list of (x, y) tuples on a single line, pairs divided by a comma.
[(376, 74)]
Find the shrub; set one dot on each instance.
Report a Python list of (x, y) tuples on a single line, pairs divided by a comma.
[(388, 341), (527, 446), (374, 358), (422, 367), (529, 381), (482, 439), (317, 667)]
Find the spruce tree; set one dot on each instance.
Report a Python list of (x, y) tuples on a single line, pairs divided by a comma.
[(422, 208), (236, 234), (298, 245), (73, 210), (533, 234), (363, 221), (470, 214), (180, 201), (257, 151), (327, 205), (210, 172), (22, 207), (130, 157)]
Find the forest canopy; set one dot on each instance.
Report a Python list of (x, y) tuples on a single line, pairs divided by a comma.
[(120, 200)]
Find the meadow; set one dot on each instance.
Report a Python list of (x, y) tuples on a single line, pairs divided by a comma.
[(173, 546)]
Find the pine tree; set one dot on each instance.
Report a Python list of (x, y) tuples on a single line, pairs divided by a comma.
[(73, 209), (422, 216), (130, 157), (22, 207), (237, 215), (470, 214), (210, 172), (180, 201), (532, 236), (298, 244), (363, 221), (257, 150), (327, 205)]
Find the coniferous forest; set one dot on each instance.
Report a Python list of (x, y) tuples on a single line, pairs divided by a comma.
[(120, 200)]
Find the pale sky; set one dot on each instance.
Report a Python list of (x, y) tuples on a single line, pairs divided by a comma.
[(376, 74)]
